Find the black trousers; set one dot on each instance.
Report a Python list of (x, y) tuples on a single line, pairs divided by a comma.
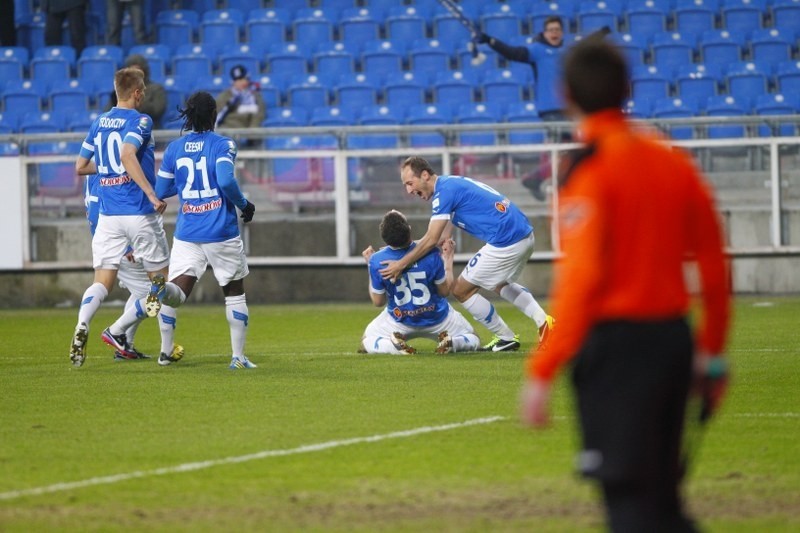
[(77, 28), (632, 382)]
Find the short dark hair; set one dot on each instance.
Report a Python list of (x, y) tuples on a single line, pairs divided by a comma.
[(551, 19), (395, 229), (200, 112), (418, 165), (596, 75)]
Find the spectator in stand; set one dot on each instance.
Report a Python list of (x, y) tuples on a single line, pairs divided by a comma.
[(57, 11), (241, 105), (115, 11), (155, 98)]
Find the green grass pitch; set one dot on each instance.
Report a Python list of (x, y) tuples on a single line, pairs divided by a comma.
[(320, 438)]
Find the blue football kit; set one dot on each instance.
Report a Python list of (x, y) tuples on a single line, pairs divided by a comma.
[(118, 194), (479, 210), (198, 167), (414, 299)]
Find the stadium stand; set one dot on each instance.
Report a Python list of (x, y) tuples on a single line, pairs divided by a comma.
[(267, 25), (359, 25), (384, 58), (355, 90)]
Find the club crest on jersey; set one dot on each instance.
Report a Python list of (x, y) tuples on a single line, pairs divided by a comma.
[(398, 314), (144, 123), (502, 205), (232, 147)]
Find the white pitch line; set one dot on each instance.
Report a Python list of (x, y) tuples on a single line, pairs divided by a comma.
[(201, 465)]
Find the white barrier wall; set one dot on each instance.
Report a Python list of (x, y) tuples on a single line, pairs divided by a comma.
[(13, 214)]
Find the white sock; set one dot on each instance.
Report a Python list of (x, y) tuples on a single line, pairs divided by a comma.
[(375, 344), (90, 302), (524, 301), (483, 311), (131, 317), (173, 295), (238, 317), (469, 342), (167, 322), (130, 333)]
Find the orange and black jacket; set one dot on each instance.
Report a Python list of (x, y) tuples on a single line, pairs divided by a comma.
[(632, 212)]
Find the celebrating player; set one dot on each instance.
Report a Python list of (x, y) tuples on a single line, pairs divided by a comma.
[(119, 148), (488, 215), (416, 306), (198, 167)]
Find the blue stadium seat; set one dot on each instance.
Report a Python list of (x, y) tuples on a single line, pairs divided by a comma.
[(307, 92), (742, 16), (213, 84), (102, 52), (31, 31), (16, 53), (695, 17), (57, 52), (777, 104), (720, 47), (332, 116), (465, 60), (288, 59), (429, 55), (541, 11), (772, 45), (502, 19), (192, 61), (10, 69), (787, 77), (24, 95), (8, 149), (645, 19), (43, 122), (376, 115), (272, 88), (239, 54), (158, 56), (747, 78), (9, 122), (98, 72), (500, 85), (405, 24), (672, 49), (649, 81), (633, 46), (70, 95), (200, 6), (478, 113), (338, 4), (355, 90), (726, 106), (593, 15), (786, 14), (176, 27), (332, 59), (454, 86), (384, 58), (177, 90), (48, 70), (268, 25), (360, 25), (245, 6), (524, 112), (312, 25), (425, 115), (677, 108), (448, 28), (698, 81), (221, 27), (406, 89), (638, 107)]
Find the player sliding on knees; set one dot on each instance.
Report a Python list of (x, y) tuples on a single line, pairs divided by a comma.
[(416, 306), (198, 167), (488, 215)]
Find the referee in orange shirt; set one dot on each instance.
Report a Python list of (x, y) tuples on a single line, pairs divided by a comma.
[(632, 213)]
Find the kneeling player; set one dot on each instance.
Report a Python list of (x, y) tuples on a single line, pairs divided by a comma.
[(416, 305)]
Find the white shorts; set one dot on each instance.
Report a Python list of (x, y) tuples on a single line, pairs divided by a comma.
[(226, 258), (145, 233), (133, 277), (493, 266), (384, 325)]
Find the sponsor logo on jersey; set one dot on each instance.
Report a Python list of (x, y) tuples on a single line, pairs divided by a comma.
[(196, 209), (113, 181), (502, 206), (400, 313)]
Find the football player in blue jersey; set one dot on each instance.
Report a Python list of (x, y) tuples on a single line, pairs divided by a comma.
[(491, 217), (416, 305), (131, 276), (198, 167), (119, 149)]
